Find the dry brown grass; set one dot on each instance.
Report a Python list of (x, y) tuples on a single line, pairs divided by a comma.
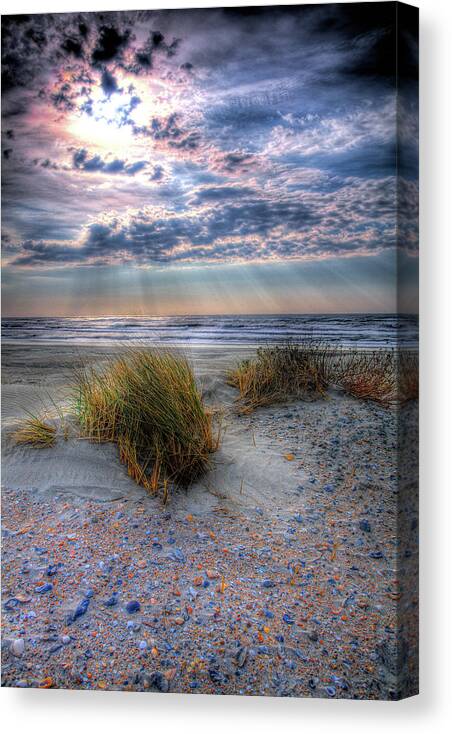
[(277, 374), (367, 376), (387, 377), (148, 403), (35, 432)]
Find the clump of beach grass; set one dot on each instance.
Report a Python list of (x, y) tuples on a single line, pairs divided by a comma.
[(306, 370), (278, 374), (370, 375), (387, 377), (148, 403), (36, 432)]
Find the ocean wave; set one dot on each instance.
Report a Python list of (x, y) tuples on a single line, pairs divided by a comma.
[(366, 330)]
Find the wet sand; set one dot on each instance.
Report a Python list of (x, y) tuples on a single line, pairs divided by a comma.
[(278, 573)]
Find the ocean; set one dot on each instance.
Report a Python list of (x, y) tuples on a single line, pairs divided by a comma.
[(374, 331)]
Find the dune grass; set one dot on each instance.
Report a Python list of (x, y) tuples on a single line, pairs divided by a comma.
[(147, 402), (387, 377), (35, 432), (278, 374), (368, 376)]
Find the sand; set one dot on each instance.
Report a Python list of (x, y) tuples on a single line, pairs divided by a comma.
[(287, 578)]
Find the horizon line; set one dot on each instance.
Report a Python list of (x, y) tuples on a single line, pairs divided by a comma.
[(212, 315)]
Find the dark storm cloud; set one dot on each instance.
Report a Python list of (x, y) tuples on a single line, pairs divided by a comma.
[(95, 164), (108, 83), (144, 55), (19, 48), (73, 46), (109, 43), (236, 162), (168, 133)]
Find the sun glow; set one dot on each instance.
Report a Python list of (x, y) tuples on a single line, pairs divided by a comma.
[(109, 120), (113, 120), (101, 133)]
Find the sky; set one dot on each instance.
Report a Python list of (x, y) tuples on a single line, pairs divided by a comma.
[(243, 160)]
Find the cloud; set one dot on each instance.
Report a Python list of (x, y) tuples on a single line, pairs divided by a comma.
[(219, 193), (109, 43), (263, 134), (144, 55), (73, 46), (221, 225), (96, 164), (108, 83)]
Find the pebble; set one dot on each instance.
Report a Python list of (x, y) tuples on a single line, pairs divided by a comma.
[(17, 648), (112, 601), (302, 610), (288, 619), (43, 588), (79, 611), (132, 607)]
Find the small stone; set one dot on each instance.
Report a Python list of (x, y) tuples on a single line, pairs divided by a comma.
[(288, 619), (215, 676), (212, 574), (112, 601), (42, 588), (22, 598), (17, 648), (132, 607), (241, 657), (268, 584), (176, 555), (79, 611), (364, 525)]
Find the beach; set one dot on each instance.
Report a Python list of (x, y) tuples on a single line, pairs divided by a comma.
[(289, 569)]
